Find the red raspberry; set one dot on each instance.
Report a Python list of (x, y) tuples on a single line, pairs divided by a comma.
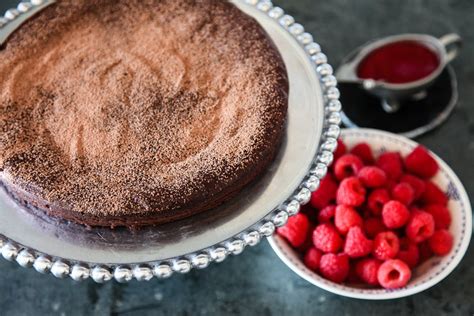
[(345, 218), (376, 200), (394, 274), (416, 183), (415, 208), (312, 258), (357, 245), (409, 252), (433, 194), (353, 278), (350, 192), (347, 166), (326, 238), (308, 241), (307, 244), (391, 163), (364, 212), (373, 226), (425, 251), (441, 215), (441, 242), (395, 214), (334, 267), (367, 269), (295, 230), (386, 245), (325, 194), (420, 227), (340, 150), (364, 152), (390, 184), (372, 177), (421, 163), (327, 214), (403, 192)]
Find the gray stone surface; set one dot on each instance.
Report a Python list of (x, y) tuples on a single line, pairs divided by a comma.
[(257, 282)]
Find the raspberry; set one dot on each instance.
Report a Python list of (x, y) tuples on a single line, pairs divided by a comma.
[(364, 152), (345, 218), (386, 245), (350, 192), (416, 183), (404, 193), (395, 214), (367, 269), (365, 212), (326, 214), (357, 245), (441, 215), (373, 226), (376, 200), (391, 163), (390, 184), (409, 252), (372, 177), (441, 242), (340, 150), (334, 267), (414, 209), (312, 258), (307, 244), (325, 193), (420, 227), (433, 194), (347, 166), (353, 278), (326, 238), (308, 241), (295, 230), (421, 163), (425, 251), (393, 274)]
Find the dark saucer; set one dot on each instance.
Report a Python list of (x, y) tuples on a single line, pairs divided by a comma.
[(416, 117)]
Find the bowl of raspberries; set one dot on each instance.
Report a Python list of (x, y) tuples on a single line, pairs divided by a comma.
[(390, 219)]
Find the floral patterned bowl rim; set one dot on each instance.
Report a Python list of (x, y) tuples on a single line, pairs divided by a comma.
[(430, 272)]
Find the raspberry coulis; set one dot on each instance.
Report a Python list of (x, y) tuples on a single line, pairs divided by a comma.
[(399, 62)]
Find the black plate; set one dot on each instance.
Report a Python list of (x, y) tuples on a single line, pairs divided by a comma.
[(416, 117)]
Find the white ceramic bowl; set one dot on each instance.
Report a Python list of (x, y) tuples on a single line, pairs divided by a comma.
[(430, 272)]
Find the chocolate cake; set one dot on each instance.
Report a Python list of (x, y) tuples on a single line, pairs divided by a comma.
[(137, 112)]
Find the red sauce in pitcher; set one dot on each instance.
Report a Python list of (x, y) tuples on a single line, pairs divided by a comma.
[(399, 62)]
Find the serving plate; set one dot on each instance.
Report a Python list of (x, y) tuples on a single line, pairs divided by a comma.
[(312, 129)]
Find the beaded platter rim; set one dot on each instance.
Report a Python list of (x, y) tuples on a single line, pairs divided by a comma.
[(100, 273)]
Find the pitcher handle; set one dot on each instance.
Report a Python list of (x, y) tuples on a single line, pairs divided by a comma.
[(452, 43)]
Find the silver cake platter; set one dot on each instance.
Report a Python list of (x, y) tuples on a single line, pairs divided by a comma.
[(66, 249)]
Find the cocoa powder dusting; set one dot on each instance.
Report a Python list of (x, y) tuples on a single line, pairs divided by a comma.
[(113, 108)]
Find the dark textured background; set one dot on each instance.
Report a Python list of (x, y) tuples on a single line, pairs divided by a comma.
[(256, 282)]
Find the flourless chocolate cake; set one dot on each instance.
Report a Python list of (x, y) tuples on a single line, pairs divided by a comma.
[(137, 112)]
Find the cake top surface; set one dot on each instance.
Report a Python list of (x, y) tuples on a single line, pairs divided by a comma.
[(128, 107)]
